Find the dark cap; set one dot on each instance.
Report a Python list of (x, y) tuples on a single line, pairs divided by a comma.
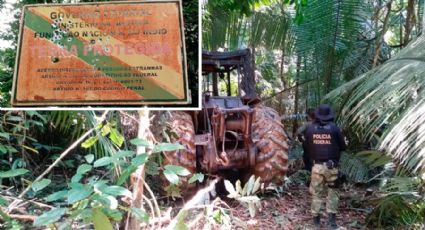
[(324, 113)]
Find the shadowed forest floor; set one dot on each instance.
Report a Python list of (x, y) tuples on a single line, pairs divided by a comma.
[(292, 211)]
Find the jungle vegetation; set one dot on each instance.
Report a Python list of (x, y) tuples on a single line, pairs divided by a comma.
[(366, 59), (72, 169)]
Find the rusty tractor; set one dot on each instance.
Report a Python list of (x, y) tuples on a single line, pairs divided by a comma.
[(230, 132)]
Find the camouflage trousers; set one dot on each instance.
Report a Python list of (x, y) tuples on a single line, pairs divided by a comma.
[(322, 181)]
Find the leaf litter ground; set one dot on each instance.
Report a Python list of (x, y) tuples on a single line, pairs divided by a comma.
[(291, 210)]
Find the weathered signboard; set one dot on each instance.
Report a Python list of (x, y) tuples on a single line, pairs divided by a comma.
[(114, 53)]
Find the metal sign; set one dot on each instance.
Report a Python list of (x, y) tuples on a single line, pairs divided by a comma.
[(112, 53)]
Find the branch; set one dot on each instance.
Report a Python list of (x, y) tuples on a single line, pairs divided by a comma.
[(198, 198), (64, 153), (274, 95)]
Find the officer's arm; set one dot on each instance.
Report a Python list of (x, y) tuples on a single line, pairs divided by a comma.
[(301, 133), (341, 140)]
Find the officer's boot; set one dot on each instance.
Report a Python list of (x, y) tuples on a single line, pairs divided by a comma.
[(316, 221), (332, 221)]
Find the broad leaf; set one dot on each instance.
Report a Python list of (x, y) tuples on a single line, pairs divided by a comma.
[(140, 214), (89, 158), (116, 137), (106, 129), (39, 185), (3, 202), (117, 191), (125, 174), (5, 135), (77, 194), (90, 142), (3, 149), (102, 162), (13, 173), (171, 176), (140, 142), (197, 177), (100, 220), (122, 154), (50, 217), (230, 189), (140, 159), (166, 147), (57, 195), (76, 178), (84, 168), (11, 149), (179, 170)]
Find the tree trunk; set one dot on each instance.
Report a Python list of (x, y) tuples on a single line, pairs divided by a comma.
[(253, 43), (137, 178), (381, 36), (410, 21), (282, 76), (297, 78), (401, 26)]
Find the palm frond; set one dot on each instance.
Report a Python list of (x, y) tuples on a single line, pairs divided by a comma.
[(364, 166), (389, 101), (329, 40)]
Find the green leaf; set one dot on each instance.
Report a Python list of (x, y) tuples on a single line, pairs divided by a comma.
[(50, 217), (14, 118), (257, 185), (116, 137), (102, 162), (100, 220), (249, 185), (106, 129), (196, 177), (56, 196), (117, 191), (166, 147), (125, 174), (112, 201), (90, 142), (39, 185), (152, 168), (31, 149), (76, 178), (122, 154), (5, 135), (140, 159), (11, 149), (84, 168), (230, 189), (3, 202), (238, 187), (13, 173), (114, 214), (140, 214), (139, 142), (77, 194), (173, 191), (3, 149), (179, 170), (171, 176), (89, 158)]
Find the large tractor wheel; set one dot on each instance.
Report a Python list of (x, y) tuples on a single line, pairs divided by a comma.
[(182, 132), (271, 142)]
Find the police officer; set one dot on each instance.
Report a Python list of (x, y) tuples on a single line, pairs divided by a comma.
[(324, 142)]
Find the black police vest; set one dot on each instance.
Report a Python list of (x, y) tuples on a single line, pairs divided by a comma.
[(322, 142)]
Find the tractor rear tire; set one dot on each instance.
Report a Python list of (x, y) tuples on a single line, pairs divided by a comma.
[(183, 132), (271, 142)]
